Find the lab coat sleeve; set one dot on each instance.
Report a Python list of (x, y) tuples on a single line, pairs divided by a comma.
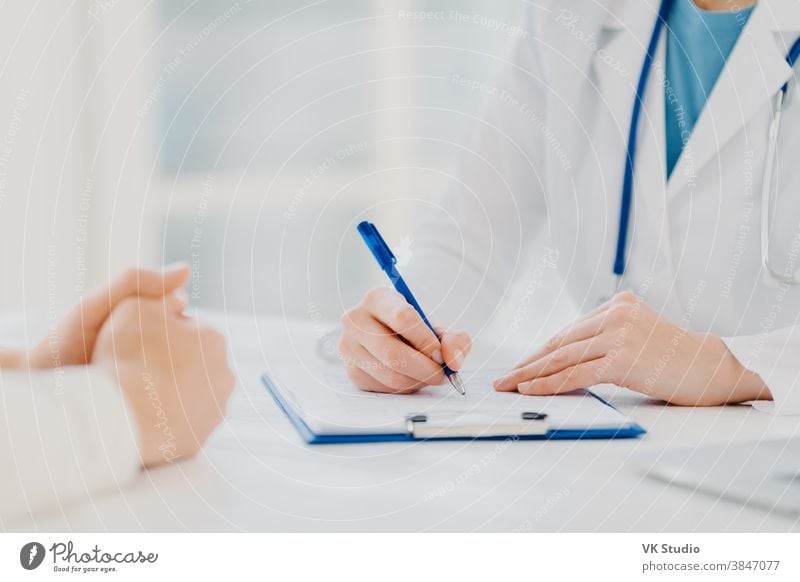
[(476, 238), (66, 434), (773, 355)]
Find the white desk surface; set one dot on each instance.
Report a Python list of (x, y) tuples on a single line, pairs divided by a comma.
[(256, 474)]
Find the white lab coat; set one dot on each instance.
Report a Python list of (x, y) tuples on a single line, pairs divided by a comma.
[(549, 154), (66, 434)]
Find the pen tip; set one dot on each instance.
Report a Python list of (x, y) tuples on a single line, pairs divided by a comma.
[(455, 380)]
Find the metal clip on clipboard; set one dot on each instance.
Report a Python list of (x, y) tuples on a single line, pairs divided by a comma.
[(475, 424)]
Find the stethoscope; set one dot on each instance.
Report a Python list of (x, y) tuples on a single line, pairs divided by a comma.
[(627, 183)]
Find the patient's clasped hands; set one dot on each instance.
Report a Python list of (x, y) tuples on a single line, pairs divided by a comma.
[(172, 369)]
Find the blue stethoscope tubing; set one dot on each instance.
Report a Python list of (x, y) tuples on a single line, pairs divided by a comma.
[(630, 154)]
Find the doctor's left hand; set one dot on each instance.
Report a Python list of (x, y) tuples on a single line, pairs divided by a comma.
[(627, 343), (70, 341)]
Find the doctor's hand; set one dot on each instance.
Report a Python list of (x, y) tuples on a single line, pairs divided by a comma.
[(173, 371), (627, 343), (386, 346), (71, 341)]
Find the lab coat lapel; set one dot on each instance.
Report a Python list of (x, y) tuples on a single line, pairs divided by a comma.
[(650, 173), (627, 35), (755, 71)]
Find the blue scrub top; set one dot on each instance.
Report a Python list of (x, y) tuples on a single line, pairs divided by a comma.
[(698, 44)]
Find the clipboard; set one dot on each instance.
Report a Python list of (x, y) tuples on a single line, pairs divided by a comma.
[(437, 414)]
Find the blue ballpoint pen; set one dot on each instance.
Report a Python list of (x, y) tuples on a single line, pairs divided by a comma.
[(387, 262)]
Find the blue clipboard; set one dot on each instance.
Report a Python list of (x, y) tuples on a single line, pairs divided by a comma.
[(631, 431)]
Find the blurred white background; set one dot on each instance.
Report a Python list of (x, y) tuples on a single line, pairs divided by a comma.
[(247, 138)]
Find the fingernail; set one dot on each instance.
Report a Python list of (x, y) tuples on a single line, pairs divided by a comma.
[(437, 356), (498, 382), (458, 358)]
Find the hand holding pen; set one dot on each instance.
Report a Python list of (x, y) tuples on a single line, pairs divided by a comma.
[(387, 344)]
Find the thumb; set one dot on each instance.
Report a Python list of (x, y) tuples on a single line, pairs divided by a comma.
[(95, 308), (156, 284)]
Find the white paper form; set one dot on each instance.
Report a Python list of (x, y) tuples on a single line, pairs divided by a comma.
[(329, 404)]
